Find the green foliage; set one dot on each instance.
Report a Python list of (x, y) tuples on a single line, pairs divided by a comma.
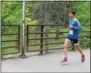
[(11, 12), (48, 12), (83, 15), (85, 42), (83, 12), (85, 39)]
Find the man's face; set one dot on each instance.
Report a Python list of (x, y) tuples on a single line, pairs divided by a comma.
[(70, 15)]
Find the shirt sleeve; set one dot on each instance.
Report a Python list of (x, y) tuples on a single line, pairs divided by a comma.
[(77, 26)]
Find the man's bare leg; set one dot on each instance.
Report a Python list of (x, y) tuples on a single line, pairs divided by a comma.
[(78, 48), (66, 49)]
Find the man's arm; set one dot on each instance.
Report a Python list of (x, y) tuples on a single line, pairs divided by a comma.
[(75, 25), (78, 27)]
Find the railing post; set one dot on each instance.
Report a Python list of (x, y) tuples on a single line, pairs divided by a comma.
[(0, 34), (19, 38), (27, 38), (22, 55), (41, 41), (46, 40)]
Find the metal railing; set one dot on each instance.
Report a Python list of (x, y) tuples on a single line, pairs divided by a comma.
[(38, 38), (41, 37), (10, 39)]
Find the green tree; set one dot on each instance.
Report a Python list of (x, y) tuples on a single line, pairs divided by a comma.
[(83, 12), (11, 13)]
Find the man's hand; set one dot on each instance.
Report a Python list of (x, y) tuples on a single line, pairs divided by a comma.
[(71, 27)]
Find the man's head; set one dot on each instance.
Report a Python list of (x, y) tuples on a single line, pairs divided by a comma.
[(72, 14)]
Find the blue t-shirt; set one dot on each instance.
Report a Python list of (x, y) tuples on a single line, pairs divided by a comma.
[(74, 33)]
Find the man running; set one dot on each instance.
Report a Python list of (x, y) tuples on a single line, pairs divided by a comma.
[(73, 36)]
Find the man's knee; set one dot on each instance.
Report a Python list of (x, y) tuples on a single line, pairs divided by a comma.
[(77, 46), (65, 46)]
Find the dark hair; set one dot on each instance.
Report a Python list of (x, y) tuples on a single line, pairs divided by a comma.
[(73, 12)]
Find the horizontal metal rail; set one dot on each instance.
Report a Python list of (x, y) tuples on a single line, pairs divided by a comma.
[(46, 44), (46, 32), (45, 38), (10, 47), (53, 25), (11, 25), (45, 25), (9, 40), (52, 32), (9, 34), (29, 50), (52, 38)]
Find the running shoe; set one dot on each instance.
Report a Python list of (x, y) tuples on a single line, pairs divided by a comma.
[(64, 60), (83, 58)]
